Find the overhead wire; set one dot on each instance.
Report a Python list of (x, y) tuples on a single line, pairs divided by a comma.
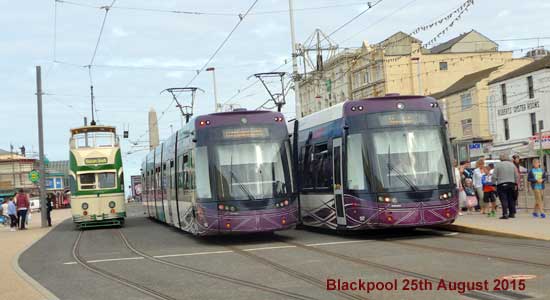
[(206, 13), (218, 49), (369, 7)]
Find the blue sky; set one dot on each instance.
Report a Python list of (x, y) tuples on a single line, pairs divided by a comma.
[(156, 50)]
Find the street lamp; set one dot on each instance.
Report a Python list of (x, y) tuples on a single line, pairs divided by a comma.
[(213, 70)]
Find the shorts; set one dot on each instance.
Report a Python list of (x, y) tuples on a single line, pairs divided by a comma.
[(489, 197)]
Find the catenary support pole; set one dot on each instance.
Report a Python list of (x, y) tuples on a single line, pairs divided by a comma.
[(42, 184)]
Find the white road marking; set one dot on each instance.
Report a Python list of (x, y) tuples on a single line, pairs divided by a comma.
[(215, 252), (335, 243), (450, 234), (269, 248), (193, 254)]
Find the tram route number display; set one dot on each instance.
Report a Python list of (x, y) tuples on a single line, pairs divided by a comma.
[(415, 285)]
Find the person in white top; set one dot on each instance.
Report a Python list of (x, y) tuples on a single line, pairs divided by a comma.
[(478, 185), (5, 209), (458, 181)]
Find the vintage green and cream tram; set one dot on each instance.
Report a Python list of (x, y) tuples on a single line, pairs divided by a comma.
[(96, 177)]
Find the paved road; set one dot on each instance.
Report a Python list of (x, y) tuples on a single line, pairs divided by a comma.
[(147, 260)]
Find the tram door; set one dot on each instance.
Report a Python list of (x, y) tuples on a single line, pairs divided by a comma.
[(337, 181)]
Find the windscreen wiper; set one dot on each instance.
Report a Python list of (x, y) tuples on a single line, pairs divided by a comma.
[(404, 178), (245, 190)]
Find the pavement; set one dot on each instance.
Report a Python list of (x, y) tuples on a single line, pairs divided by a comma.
[(300, 262), (523, 226), (13, 285)]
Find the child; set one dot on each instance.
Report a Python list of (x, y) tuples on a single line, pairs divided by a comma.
[(537, 177), (471, 200), (12, 212), (489, 190)]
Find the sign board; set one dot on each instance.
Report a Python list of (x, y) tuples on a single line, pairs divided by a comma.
[(137, 187), (54, 183), (34, 176), (95, 160), (476, 149)]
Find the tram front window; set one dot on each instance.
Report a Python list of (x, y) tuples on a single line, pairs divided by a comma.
[(94, 139), (409, 158), (250, 171), (87, 181)]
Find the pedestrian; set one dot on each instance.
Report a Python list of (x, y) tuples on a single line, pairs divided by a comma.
[(478, 185), (537, 177), (12, 212), (23, 206), (489, 199), (458, 180), (471, 199), (49, 207), (516, 160), (505, 177)]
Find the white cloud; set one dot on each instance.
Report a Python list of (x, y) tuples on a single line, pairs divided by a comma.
[(174, 74), (503, 13), (145, 62), (119, 32), (268, 30)]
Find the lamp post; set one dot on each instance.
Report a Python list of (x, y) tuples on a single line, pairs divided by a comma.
[(213, 70)]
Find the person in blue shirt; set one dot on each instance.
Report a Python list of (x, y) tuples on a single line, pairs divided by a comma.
[(12, 212), (537, 177)]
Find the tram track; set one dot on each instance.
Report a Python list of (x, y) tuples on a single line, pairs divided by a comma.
[(488, 241), (291, 272), (469, 253), (131, 284), (389, 268), (212, 275)]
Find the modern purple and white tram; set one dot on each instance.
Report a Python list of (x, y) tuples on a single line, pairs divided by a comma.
[(375, 163), (223, 173)]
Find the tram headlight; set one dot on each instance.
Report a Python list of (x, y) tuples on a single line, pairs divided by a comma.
[(112, 204), (84, 205), (445, 196)]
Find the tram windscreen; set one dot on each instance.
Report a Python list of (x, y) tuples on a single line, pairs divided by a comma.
[(250, 171), (401, 159), (409, 158)]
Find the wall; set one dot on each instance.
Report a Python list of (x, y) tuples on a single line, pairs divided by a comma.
[(474, 42), (519, 106)]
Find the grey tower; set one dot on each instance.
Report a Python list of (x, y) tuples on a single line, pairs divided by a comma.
[(153, 129)]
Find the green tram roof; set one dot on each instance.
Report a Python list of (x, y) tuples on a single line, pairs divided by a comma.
[(86, 129)]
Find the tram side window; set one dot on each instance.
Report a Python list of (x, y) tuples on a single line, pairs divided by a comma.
[(307, 174), (317, 167), (186, 177), (322, 162), (87, 181)]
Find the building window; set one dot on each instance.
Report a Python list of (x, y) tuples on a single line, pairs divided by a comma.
[(466, 100), (367, 76), (379, 74), (467, 127), (506, 130), (443, 66), (533, 124), (503, 92), (530, 85)]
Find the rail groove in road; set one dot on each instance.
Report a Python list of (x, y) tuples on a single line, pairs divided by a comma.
[(291, 272), (214, 275), (462, 252), (133, 285), (472, 294)]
